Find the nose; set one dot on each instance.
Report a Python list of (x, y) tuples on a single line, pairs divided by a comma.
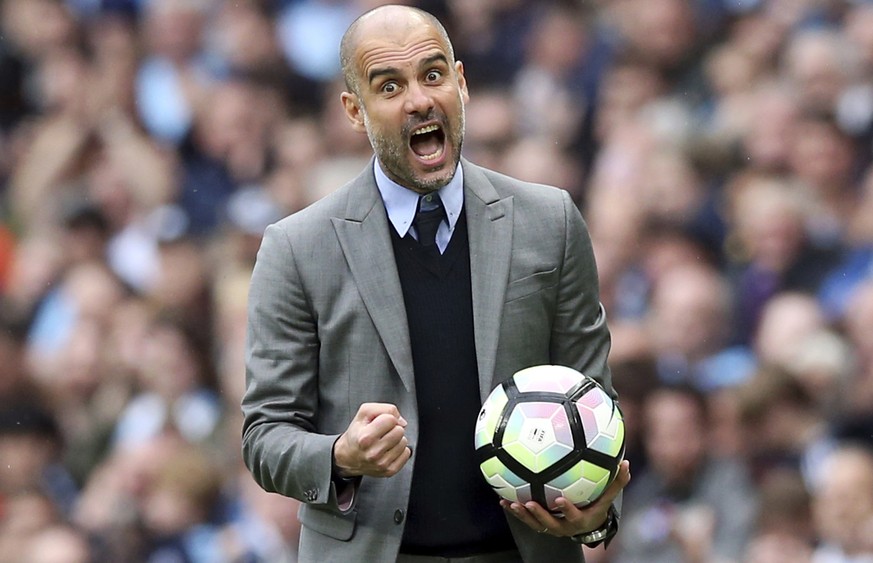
[(418, 99)]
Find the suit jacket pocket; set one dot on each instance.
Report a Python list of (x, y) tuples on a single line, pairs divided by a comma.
[(328, 522), (531, 284)]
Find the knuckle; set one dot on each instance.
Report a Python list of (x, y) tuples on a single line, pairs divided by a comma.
[(385, 470), (384, 419)]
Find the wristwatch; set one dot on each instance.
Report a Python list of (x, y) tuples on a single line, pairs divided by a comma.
[(601, 534)]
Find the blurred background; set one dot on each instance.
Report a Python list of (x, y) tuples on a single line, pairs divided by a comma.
[(720, 151)]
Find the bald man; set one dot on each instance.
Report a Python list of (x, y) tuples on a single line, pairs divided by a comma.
[(382, 315)]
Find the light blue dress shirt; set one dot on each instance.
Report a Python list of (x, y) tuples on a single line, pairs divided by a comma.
[(402, 203)]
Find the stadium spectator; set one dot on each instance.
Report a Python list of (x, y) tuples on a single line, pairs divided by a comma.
[(773, 250), (487, 36), (263, 525), (244, 38), (176, 72), (782, 425), (787, 321), (842, 504), (491, 126), (31, 445), (857, 326), (784, 531), (58, 544), (175, 384), (856, 265), (548, 87), (179, 510), (823, 160), (764, 132), (687, 505), (689, 326), (820, 64), (309, 32)]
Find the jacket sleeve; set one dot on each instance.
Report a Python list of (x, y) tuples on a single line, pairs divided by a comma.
[(580, 337), (280, 443)]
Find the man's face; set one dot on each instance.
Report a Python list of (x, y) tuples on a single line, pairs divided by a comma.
[(410, 102), (675, 437)]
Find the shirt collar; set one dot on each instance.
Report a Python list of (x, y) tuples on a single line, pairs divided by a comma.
[(402, 203)]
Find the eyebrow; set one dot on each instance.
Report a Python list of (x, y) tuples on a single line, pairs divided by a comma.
[(384, 71), (436, 57), (391, 70)]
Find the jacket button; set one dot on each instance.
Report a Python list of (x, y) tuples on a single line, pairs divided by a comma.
[(398, 516)]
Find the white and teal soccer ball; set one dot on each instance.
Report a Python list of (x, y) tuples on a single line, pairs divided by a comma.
[(549, 431)]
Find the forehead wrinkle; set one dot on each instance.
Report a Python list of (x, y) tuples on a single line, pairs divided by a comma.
[(392, 55)]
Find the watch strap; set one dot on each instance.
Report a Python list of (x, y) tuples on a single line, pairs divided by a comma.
[(602, 534)]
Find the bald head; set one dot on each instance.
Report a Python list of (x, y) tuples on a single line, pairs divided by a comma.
[(374, 23)]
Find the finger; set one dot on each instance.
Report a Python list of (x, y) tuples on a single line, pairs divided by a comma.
[(397, 449), (568, 509), (623, 472), (518, 511), (397, 464), (523, 513), (378, 429), (544, 518), (573, 513), (388, 446), (369, 411), (389, 461), (620, 482)]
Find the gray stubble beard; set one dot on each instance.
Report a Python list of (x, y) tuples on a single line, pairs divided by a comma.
[(392, 157)]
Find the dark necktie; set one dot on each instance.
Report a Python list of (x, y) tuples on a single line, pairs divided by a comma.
[(428, 217)]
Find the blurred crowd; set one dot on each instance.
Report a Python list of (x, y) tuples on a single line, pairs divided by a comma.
[(720, 151)]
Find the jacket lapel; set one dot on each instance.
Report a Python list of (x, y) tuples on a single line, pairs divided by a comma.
[(365, 240), (489, 223)]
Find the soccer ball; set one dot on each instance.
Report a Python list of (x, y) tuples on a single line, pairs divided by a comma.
[(549, 431)]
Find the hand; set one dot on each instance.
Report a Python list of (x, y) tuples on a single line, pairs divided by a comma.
[(572, 520), (374, 444)]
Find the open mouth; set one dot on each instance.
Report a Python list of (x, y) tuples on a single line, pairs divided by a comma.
[(428, 142)]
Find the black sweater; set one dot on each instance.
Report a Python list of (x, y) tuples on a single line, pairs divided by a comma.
[(452, 511)]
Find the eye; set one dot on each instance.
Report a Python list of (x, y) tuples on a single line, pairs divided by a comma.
[(433, 75), (389, 88)]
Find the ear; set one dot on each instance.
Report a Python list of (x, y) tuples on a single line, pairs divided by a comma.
[(462, 81), (352, 105)]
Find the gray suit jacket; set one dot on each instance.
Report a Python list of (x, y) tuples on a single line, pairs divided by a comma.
[(328, 331)]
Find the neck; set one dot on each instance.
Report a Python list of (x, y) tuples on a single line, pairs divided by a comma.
[(416, 187)]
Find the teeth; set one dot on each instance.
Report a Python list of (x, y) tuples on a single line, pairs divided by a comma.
[(432, 156), (424, 130)]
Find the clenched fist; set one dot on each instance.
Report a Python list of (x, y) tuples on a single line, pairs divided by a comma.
[(374, 444)]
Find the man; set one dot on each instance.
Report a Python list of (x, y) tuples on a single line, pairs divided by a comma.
[(842, 505), (373, 341), (687, 505)]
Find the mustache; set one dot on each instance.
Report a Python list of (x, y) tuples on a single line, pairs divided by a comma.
[(418, 120)]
